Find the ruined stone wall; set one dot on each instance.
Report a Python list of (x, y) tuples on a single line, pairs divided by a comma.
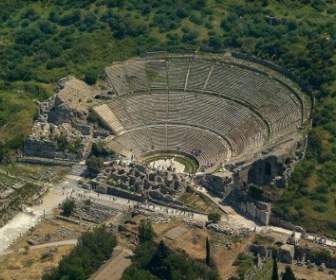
[(40, 148), (216, 185), (125, 194), (256, 210)]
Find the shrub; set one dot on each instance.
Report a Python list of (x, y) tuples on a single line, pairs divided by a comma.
[(68, 207), (94, 165), (145, 231), (214, 217)]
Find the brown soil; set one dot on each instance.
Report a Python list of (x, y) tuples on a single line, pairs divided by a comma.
[(224, 257), (308, 274), (31, 264)]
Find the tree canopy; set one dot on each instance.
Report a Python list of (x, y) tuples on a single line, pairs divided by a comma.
[(92, 250)]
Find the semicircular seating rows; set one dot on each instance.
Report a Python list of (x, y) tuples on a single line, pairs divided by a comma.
[(211, 109)]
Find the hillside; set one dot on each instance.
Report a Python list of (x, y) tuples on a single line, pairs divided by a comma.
[(42, 41)]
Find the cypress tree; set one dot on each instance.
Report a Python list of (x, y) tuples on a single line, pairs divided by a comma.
[(207, 257), (159, 265), (288, 275), (275, 275)]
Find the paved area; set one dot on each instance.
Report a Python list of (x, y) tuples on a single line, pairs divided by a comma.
[(114, 268)]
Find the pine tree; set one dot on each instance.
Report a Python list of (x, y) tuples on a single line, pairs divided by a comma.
[(288, 275), (208, 257), (275, 275)]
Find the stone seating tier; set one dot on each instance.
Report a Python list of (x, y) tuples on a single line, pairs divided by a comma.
[(218, 108)]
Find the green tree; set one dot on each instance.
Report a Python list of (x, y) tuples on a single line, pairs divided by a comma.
[(94, 165), (91, 77), (68, 207), (92, 250), (145, 231), (208, 254)]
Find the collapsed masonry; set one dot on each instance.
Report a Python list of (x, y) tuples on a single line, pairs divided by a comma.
[(239, 188), (137, 182), (61, 130)]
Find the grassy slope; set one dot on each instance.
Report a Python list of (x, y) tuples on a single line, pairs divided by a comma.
[(76, 49), (16, 111)]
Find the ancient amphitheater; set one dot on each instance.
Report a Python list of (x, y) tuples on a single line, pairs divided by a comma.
[(215, 110), (212, 109)]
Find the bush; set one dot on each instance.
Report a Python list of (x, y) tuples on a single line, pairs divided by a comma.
[(94, 165), (145, 231), (91, 77), (68, 207), (214, 217)]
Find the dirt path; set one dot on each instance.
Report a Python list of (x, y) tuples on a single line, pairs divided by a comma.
[(55, 244), (46, 245), (115, 267)]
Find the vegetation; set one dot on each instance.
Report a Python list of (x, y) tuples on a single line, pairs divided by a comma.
[(94, 165), (288, 275), (263, 240), (68, 207), (146, 233), (92, 250), (198, 201), (245, 262), (275, 275), (99, 150), (214, 217), (153, 262), (266, 271), (315, 254), (208, 260), (68, 146), (42, 41)]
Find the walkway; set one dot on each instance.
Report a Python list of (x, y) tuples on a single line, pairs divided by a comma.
[(114, 268), (23, 221), (54, 244)]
